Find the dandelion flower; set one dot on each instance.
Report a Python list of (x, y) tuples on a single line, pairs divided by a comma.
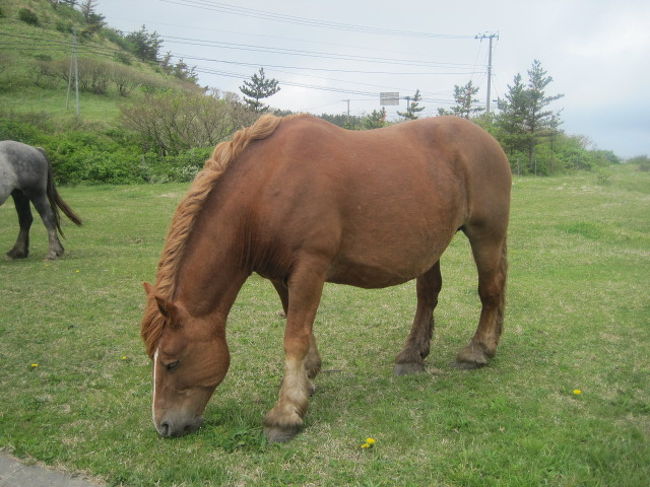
[(369, 443), (34, 365), (124, 357), (577, 392)]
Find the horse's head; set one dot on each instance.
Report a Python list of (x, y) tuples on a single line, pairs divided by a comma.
[(190, 359)]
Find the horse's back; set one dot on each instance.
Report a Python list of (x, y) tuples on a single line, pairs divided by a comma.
[(22, 167), (382, 204)]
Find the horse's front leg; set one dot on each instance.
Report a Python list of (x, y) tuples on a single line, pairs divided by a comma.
[(302, 362)]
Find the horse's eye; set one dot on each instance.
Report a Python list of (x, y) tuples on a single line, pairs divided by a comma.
[(172, 365)]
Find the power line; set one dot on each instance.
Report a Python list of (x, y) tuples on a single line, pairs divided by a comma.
[(296, 20), (312, 54), (330, 70), (63, 46), (374, 94)]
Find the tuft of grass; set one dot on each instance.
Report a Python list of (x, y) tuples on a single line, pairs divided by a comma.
[(578, 317)]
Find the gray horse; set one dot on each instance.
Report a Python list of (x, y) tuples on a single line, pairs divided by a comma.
[(26, 175)]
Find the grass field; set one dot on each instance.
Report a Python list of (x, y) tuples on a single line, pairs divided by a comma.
[(76, 385)]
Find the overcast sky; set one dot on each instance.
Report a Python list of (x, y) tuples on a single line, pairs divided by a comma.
[(326, 52)]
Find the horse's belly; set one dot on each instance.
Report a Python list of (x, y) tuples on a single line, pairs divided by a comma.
[(366, 276), (385, 264)]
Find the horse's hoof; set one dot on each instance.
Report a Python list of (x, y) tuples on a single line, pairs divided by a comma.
[(275, 434), (461, 365), (16, 254), (471, 357), (408, 368)]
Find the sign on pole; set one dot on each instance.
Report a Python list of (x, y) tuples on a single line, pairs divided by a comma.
[(389, 98)]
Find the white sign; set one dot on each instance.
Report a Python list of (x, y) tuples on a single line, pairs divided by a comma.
[(389, 98)]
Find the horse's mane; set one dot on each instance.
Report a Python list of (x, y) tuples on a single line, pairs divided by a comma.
[(185, 216)]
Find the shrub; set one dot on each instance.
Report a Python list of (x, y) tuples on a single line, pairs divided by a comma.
[(171, 123), (65, 27), (20, 131), (122, 57), (28, 16), (43, 57), (642, 161), (181, 167)]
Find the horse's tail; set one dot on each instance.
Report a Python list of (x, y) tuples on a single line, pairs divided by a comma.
[(56, 202)]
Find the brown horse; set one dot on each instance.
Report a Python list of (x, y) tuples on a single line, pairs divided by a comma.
[(303, 202)]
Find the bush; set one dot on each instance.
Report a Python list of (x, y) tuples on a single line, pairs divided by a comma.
[(172, 123), (90, 157), (181, 167), (20, 131), (65, 27), (122, 57), (28, 16), (642, 161)]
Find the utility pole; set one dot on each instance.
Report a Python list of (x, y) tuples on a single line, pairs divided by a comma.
[(348, 119), (489, 80), (74, 70)]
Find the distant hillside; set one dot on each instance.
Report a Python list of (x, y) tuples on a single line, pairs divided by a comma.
[(37, 41)]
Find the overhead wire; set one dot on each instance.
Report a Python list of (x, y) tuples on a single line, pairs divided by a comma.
[(64, 45), (305, 21), (305, 53)]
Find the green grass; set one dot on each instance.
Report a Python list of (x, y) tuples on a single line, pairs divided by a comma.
[(577, 318), (34, 100)]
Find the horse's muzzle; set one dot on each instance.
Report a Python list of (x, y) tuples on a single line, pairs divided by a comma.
[(169, 428)]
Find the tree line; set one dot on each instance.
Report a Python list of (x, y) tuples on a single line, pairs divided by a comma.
[(166, 131)]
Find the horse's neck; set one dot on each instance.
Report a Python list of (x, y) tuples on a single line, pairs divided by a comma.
[(211, 271)]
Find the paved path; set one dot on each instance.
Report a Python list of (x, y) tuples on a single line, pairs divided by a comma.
[(13, 473)]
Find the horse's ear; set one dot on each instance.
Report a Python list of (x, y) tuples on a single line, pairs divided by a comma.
[(166, 308), (148, 288)]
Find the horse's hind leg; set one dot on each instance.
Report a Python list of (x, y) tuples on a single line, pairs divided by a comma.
[(20, 249), (491, 261), (46, 211), (411, 359)]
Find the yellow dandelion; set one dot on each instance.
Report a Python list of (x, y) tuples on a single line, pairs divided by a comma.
[(365, 445), (370, 441), (577, 392), (34, 365), (124, 357)]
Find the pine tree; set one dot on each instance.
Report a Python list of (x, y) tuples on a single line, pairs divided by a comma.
[(465, 106), (377, 119), (87, 8), (257, 88), (412, 107), (524, 116), (540, 122), (144, 44)]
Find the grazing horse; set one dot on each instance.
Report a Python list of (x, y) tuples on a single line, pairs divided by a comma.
[(26, 175), (303, 202)]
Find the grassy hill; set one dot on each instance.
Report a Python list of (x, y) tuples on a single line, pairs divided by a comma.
[(35, 56), (116, 72)]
